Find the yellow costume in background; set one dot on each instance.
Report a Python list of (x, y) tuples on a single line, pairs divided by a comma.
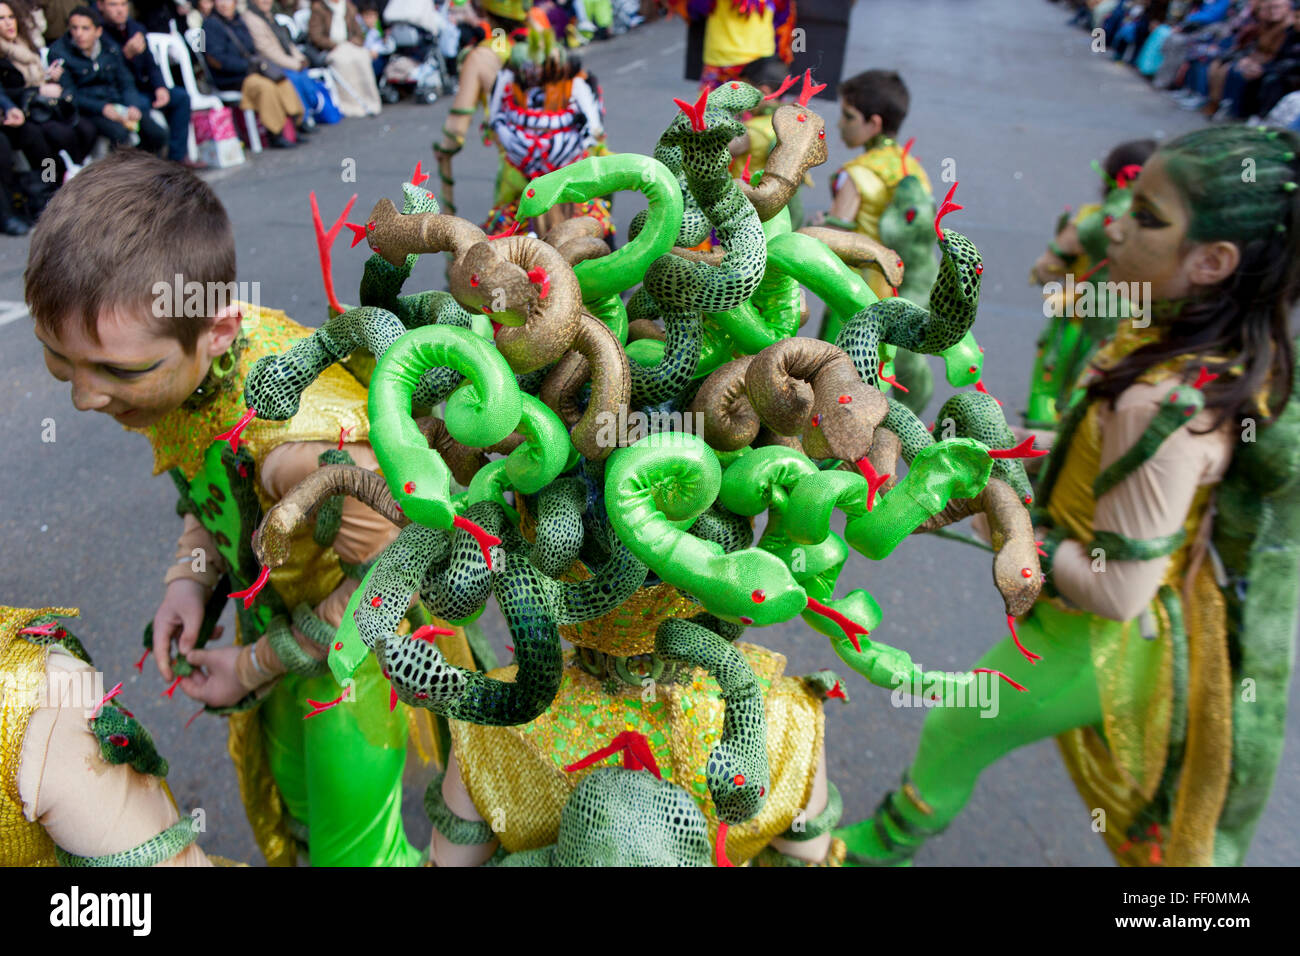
[(874, 174)]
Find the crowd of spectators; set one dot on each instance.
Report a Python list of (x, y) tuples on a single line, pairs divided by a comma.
[(1231, 59), (77, 80)]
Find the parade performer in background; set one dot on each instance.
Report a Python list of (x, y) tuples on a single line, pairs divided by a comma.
[(873, 106), (545, 113), (173, 369), (1079, 319), (738, 32), (83, 784), (1165, 675), (477, 77)]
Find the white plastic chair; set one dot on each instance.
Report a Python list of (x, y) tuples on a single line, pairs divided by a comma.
[(290, 24), (194, 38), (169, 48)]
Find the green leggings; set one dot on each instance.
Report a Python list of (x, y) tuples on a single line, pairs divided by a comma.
[(340, 772), (957, 744)]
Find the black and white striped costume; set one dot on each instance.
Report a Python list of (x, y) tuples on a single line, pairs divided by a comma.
[(535, 140)]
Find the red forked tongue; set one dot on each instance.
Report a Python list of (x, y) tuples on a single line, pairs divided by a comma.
[(636, 754), (514, 227), (744, 173), (195, 716), (537, 276), (1204, 378), (907, 148), (989, 670), (172, 689), (105, 699), (720, 846), (46, 630), (249, 594), (945, 207), (319, 708), (874, 481), (979, 387), (696, 112), (430, 633), (418, 177), (324, 240), (232, 434), (851, 628), (343, 434), (1025, 449), (880, 372), (485, 540), (1088, 275), (788, 82), (139, 665), (1029, 655), (810, 89)]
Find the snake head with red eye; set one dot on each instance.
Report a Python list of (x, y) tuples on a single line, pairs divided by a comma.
[(843, 421), (483, 281), (738, 785)]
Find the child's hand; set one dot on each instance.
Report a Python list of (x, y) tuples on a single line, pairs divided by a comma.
[(1049, 264), (179, 618), (218, 683)]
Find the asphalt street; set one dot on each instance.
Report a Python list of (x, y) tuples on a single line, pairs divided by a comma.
[(1003, 94)]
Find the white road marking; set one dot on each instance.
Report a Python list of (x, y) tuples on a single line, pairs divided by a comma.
[(11, 311), (629, 67)]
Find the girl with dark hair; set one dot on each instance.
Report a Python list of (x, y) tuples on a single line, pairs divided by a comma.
[(1169, 515), (1071, 272)]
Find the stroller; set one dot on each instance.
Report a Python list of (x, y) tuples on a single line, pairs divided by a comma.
[(414, 64)]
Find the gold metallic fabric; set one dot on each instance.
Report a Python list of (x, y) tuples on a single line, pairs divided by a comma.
[(516, 776), (334, 401), (22, 680), (1207, 759)]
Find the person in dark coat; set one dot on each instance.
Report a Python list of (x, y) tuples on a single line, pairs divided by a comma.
[(233, 60), (95, 71), (50, 119), (174, 103)]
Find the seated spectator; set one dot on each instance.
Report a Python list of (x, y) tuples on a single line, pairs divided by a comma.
[(11, 224), (174, 104), (335, 28), (380, 46), (1213, 35), (102, 86), (157, 16), (1234, 82), (50, 118), (234, 64), (273, 43)]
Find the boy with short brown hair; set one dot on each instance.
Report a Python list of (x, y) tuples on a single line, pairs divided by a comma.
[(873, 105), (129, 279)]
